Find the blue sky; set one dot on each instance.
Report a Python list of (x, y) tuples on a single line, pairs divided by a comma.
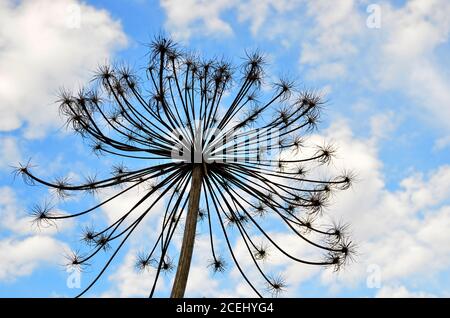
[(388, 112)]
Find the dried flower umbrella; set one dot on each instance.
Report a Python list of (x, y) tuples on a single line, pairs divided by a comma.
[(214, 152)]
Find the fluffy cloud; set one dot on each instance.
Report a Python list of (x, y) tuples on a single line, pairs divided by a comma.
[(185, 17), (25, 248), (44, 45), (9, 152), (128, 282), (441, 143), (400, 292), (329, 42), (408, 60), (15, 219), (402, 55), (329, 39), (9, 212), (399, 230), (258, 11), (199, 17), (19, 257), (336, 43)]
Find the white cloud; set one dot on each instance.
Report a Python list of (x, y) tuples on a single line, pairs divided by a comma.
[(328, 71), (336, 43), (115, 209), (26, 248), (200, 17), (329, 42), (401, 292), (45, 45), (9, 212), (201, 282), (383, 125), (441, 143), (128, 282), (397, 230), (13, 217), (400, 56), (19, 257), (9, 152), (258, 11), (407, 55), (185, 17)]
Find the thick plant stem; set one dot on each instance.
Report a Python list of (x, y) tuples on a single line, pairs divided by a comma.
[(184, 263)]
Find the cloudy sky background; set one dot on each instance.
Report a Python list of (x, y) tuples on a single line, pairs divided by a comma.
[(388, 112)]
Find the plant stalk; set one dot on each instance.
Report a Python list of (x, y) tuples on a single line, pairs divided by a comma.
[(187, 247)]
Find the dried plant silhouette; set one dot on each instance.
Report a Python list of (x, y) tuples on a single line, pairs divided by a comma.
[(214, 150)]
